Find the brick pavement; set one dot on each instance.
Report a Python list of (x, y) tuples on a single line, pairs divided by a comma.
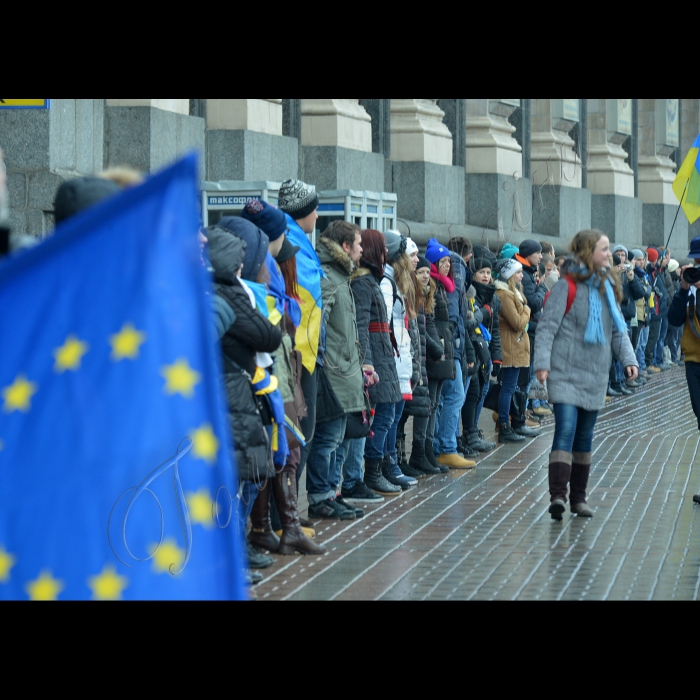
[(486, 534)]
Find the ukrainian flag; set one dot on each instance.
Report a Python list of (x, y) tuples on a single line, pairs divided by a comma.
[(687, 183), (309, 273)]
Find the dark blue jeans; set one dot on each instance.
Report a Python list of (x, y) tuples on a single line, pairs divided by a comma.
[(509, 379), (391, 435), (376, 447), (320, 466), (573, 431), (247, 494)]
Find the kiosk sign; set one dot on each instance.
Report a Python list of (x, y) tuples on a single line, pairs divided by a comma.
[(25, 104)]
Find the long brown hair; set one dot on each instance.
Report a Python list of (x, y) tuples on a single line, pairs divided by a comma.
[(374, 249), (582, 247), (429, 297), (408, 284), (288, 268)]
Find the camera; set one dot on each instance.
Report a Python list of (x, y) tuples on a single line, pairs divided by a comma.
[(692, 275), (628, 267)]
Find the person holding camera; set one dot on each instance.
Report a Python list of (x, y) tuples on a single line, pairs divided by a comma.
[(684, 309)]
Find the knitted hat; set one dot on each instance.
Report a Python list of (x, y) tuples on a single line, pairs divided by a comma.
[(396, 245), (76, 195), (411, 247), (508, 251), (529, 247), (297, 199), (423, 262), (482, 264), (481, 251), (635, 253), (695, 249), (673, 265), (266, 217), (257, 243), (508, 268), (621, 247), (616, 260), (653, 255), (436, 252)]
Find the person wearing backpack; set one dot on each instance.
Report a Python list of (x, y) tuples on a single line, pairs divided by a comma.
[(573, 356)]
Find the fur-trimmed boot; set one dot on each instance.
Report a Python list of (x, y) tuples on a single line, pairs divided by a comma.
[(580, 472), (559, 477)]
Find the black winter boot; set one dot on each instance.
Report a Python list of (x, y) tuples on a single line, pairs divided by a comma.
[(420, 463), (506, 434), (432, 460), (376, 481), (559, 477), (580, 472), (476, 442)]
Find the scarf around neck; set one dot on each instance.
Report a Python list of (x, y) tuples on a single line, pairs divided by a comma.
[(595, 335), (446, 282)]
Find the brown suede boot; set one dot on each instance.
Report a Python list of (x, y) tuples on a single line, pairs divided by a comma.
[(284, 488), (261, 534), (559, 476), (580, 471)]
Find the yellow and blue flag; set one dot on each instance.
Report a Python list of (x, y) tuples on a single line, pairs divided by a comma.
[(309, 273), (116, 472), (686, 186)]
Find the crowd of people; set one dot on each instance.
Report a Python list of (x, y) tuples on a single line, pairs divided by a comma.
[(328, 352)]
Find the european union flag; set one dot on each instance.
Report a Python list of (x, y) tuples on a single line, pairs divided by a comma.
[(116, 474)]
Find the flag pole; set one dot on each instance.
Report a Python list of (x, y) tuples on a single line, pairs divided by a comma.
[(677, 213)]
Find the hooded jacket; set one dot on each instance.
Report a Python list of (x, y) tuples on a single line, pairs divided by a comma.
[(376, 347), (250, 333), (578, 373), (343, 359), (513, 322)]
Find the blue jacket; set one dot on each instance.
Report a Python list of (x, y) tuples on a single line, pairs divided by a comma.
[(457, 302)]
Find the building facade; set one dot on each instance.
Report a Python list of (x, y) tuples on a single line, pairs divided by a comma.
[(492, 170)]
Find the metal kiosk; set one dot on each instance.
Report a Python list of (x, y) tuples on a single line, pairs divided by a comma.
[(375, 210), (229, 197)]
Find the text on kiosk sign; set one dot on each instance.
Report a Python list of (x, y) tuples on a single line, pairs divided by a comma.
[(236, 201)]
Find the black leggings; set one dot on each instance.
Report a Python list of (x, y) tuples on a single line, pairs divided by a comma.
[(471, 403)]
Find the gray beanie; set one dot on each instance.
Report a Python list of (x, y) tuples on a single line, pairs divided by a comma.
[(620, 247), (396, 245), (297, 199), (635, 253), (529, 247)]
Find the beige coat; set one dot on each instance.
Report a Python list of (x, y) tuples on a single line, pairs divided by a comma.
[(514, 319)]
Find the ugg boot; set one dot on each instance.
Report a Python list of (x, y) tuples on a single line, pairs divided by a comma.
[(293, 539), (559, 477), (261, 534), (580, 471), (432, 460), (420, 462)]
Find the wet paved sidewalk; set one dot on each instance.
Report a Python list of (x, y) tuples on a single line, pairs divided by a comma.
[(486, 534)]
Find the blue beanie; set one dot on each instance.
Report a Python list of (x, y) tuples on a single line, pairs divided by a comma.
[(256, 240), (269, 219), (436, 252)]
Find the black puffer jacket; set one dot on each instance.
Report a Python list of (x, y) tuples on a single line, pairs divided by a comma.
[(534, 294), (420, 404), (251, 333), (376, 349), (490, 305), (443, 369), (632, 292)]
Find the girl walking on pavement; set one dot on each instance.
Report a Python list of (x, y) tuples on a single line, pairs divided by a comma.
[(581, 328)]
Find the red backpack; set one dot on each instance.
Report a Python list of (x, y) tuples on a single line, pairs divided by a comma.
[(570, 297)]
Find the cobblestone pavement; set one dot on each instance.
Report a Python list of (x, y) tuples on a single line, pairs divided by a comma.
[(486, 534)]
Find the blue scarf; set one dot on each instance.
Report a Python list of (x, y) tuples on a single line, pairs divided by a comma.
[(595, 334)]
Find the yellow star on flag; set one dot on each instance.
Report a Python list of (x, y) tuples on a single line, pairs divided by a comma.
[(205, 444), (168, 558), (18, 396), (127, 343), (108, 585), (70, 354), (201, 508), (180, 378), (7, 561), (46, 587)]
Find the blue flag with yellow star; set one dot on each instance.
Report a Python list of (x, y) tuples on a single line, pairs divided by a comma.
[(116, 473)]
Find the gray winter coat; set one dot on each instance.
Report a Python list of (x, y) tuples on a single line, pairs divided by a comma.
[(578, 373)]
